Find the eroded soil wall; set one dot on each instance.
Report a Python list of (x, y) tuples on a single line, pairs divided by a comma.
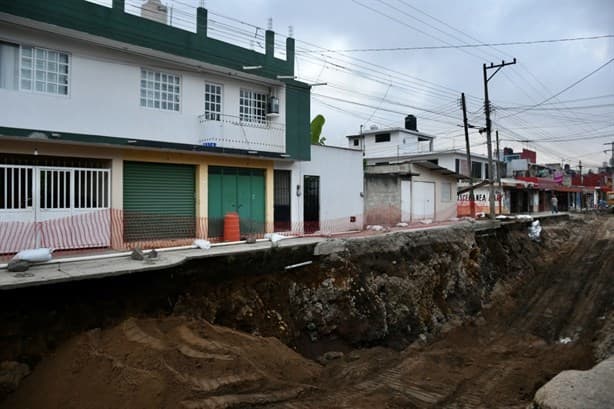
[(384, 289)]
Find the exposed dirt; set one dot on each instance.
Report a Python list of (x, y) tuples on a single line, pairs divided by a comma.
[(497, 358), (165, 363)]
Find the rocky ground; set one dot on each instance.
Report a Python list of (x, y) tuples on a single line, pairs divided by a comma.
[(448, 318)]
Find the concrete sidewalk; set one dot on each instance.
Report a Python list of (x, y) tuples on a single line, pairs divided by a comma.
[(58, 271), (117, 264)]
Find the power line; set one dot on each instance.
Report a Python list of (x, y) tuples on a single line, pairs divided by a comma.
[(381, 109), (456, 46), (579, 138), (559, 108), (575, 115), (404, 23), (564, 89), (565, 101)]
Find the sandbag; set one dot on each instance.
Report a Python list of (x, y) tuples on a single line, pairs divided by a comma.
[(535, 230), (202, 244), (34, 255)]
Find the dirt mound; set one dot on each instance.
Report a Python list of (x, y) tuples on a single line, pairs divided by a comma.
[(165, 363)]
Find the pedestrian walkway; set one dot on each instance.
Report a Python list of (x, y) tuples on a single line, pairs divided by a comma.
[(116, 264), (109, 263)]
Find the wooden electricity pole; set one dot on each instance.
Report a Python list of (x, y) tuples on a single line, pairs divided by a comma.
[(498, 160), (466, 125), (485, 68)]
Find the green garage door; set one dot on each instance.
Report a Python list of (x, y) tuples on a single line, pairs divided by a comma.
[(239, 190), (158, 201)]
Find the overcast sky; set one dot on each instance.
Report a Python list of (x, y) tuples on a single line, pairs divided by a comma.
[(380, 88)]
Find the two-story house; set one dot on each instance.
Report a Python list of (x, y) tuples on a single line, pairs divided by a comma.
[(118, 129), (403, 181), (391, 142)]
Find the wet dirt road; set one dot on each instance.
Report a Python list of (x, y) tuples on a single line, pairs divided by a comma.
[(501, 358)]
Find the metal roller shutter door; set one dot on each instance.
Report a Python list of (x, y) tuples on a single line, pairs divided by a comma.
[(159, 201)]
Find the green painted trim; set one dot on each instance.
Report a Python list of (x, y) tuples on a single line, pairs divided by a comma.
[(51, 136), (298, 137), (115, 24)]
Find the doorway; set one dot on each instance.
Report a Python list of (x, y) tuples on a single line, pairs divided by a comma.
[(282, 200), (424, 200), (240, 190), (311, 203)]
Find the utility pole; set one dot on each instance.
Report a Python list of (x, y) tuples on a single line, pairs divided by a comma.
[(466, 125), (612, 151), (485, 68), (499, 172), (611, 166), (581, 184)]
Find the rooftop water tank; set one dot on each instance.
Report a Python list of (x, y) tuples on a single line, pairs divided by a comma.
[(411, 123)]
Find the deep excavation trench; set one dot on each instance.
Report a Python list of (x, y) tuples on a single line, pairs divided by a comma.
[(448, 318)]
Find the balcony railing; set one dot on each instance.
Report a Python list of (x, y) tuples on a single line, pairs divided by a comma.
[(230, 131)]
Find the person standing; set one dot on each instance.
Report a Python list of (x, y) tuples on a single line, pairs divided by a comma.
[(554, 201)]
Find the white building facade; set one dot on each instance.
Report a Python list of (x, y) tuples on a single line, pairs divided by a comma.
[(118, 130), (324, 194), (392, 142)]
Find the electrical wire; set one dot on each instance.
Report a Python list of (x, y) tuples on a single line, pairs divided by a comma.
[(447, 47), (596, 70)]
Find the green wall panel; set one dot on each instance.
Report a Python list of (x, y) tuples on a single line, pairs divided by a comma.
[(298, 137)]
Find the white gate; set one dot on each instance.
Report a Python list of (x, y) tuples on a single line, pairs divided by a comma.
[(17, 227), (57, 207)]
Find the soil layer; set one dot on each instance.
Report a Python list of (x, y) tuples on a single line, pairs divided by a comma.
[(451, 319)]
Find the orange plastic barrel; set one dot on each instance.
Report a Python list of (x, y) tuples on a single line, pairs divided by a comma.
[(231, 227)]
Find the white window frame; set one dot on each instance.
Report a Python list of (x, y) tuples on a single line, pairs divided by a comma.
[(45, 68), (157, 97), (213, 108), (446, 192), (252, 108)]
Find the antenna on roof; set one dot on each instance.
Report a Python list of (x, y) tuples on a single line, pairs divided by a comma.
[(290, 31), (269, 24)]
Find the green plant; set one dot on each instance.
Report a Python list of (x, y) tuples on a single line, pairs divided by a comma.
[(316, 130)]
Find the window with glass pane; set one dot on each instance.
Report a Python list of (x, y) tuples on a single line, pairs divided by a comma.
[(44, 70), (160, 90), (476, 170), (252, 106), (213, 101), (446, 192), (9, 66)]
